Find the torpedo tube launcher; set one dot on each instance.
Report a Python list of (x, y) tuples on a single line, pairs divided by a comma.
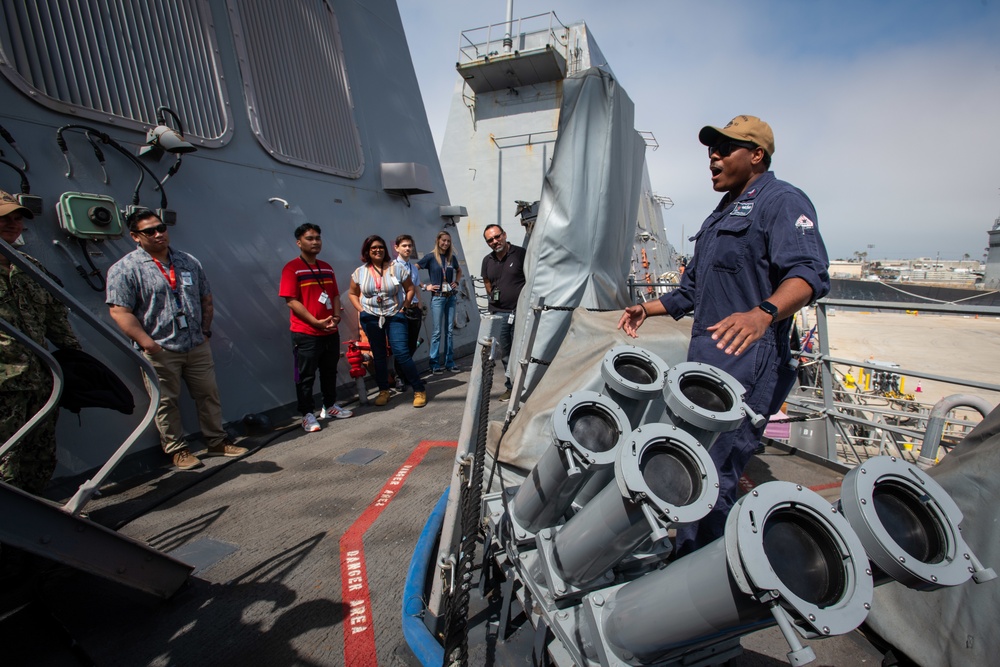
[(582, 544)]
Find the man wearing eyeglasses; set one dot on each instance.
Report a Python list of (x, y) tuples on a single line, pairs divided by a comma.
[(758, 259), (503, 277), (160, 298)]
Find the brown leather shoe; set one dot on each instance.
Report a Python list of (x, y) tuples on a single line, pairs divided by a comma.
[(382, 398), (419, 399), (227, 449), (185, 460)]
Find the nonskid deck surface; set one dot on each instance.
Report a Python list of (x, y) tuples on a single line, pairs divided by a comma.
[(302, 558), (278, 530)]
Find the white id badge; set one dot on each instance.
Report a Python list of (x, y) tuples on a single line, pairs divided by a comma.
[(182, 322), (391, 281), (510, 319), (324, 299), (186, 279)]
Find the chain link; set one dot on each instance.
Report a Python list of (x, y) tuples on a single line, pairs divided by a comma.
[(456, 608)]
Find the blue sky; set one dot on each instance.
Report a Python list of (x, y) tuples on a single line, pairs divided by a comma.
[(886, 113)]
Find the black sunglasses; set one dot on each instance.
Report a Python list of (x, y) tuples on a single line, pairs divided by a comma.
[(491, 239), (151, 231), (376, 247), (726, 148)]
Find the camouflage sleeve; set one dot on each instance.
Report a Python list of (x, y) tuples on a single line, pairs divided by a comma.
[(50, 313), (57, 326)]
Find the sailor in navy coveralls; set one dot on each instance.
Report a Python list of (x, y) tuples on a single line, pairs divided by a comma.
[(758, 259)]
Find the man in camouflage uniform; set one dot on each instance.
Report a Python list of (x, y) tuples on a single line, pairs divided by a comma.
[(25, 380)]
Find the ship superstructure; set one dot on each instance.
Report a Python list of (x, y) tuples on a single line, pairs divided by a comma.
[(503, 126), (284, 118)]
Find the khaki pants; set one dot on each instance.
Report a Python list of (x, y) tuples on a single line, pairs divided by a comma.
[(197, 368)]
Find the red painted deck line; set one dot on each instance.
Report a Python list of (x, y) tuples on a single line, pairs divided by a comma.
[(359, 630)]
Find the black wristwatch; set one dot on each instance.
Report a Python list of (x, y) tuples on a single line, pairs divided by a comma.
[(770, 309)]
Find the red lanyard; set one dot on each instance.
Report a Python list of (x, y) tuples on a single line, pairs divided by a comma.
[(171, 280), (171, 277), (378, 278)]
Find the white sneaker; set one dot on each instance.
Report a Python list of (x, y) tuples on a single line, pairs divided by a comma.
[(335, 411), (309, 423)]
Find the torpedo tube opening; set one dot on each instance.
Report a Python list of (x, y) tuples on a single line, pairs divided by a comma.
[(909, 522), (804, 556), (594, 427), (635, 368), (633, 376), (706, 392), (704, 400), (671, 473)]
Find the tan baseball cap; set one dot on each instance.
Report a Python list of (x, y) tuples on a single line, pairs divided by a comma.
[(741, 128), (9, 204)]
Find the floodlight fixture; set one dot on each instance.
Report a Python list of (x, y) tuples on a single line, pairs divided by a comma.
[(163, 138)]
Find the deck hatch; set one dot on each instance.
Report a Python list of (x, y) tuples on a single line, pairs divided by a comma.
[(117, 62), (361, 456)]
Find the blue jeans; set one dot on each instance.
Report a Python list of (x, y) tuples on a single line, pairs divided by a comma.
[(397, 331), (443, 316), (415, 322)]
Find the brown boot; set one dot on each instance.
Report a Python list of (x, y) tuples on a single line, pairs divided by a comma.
[(419, 399), (185, 460), (227, 448), (382, 398)]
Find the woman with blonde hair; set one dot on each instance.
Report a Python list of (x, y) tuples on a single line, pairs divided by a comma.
[(445, 275)]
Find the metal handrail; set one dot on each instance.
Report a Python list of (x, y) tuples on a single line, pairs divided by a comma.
[(89, 487), (57, 384), (633, 285), (530, 139), (831, 409), (465, 42)]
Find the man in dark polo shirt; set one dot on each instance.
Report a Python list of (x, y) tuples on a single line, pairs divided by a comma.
[(503, 276)]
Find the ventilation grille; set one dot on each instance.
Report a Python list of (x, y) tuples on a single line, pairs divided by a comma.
[(295, 79), (116, 62)]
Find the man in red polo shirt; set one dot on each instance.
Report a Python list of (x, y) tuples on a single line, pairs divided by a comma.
[(309, 287)]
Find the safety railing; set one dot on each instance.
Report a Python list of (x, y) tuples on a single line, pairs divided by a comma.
[(488, 41), (855, 425), (640, 291), (86, 490)]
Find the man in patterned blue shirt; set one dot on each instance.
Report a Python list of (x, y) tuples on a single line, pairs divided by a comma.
[(161, 299)]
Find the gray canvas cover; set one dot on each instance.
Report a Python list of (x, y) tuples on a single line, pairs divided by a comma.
[(955, 626), (576, 367), (581, 245)]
